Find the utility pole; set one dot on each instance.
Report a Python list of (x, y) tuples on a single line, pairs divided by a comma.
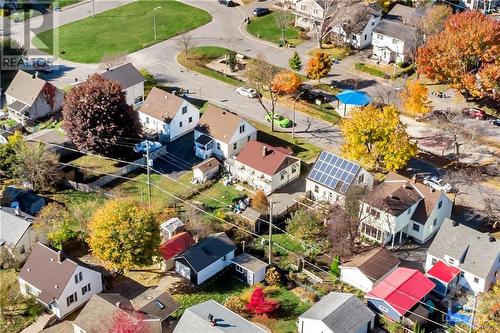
[(93, 8), (270, 249), (148, 172), (154, 21), (293, 120), (473, 314)]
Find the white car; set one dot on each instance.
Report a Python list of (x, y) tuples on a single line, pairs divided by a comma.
[(437, 184), (248, 92)]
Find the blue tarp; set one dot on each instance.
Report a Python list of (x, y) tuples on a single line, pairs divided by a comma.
[(454, 318), (351, 97)]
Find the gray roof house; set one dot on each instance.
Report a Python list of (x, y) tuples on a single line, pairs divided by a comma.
[(212, 316), (16, 232), (476, 254), (337, 313), (131, 80)]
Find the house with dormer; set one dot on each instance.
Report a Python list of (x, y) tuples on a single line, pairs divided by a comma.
[(131, 80)]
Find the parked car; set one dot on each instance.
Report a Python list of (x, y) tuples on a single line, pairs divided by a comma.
[(495, 121), (227, 3), (260, 11), (437, 184), (248, 92), (474, 113), (280, 120)]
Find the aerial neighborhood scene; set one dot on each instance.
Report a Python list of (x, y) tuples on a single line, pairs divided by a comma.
[(250, 166)]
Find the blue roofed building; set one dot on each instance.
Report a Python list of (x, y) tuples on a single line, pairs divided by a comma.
[(349, 99), (25, 200)]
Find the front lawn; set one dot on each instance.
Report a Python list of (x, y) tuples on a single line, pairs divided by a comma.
[(122, 30), (267, 28), (333, 52)]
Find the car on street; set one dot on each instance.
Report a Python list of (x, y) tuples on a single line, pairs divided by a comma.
[(495, 121), (437, 184), (227, 3), (260, 11), (280, 120), (248, 92), (474, 113)]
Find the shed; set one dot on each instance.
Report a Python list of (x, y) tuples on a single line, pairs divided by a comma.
[(170, 227), (349, 99), (249, 269), (174, 246), (206, 170)]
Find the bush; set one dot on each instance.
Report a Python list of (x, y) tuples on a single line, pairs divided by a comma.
[(271, 290), (235, 303), (273, 278), (370, 70), (260, 202)]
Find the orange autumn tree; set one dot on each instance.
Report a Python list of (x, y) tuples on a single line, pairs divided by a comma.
[(465, 55), (318, 66), (286, 82), (415, 98)]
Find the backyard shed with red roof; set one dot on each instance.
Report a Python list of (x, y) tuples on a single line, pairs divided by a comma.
[(173, 247), (444, 276)]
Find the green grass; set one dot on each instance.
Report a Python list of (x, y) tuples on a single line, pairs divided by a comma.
[(95, 164), (81, 205), (370, 70), (291, 307), (224, 195), (122, 30), (334, 52), (287, 242), (63, 3), (8, 122), (266, 27)]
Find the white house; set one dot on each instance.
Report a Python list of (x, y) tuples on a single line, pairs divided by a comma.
[(401, 207), (249, 269), (30, 98), (331, 177), (131, 80), (485, 6), (308, 13), (365, 270), (221, 133), (477, 255), (56, 281), (205, 259), (206, 170), (337, 313), (167, 115), (264, 167)]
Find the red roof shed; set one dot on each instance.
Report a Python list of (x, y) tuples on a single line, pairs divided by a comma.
[(176, 245)]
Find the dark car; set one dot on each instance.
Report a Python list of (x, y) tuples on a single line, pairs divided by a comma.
[(227, 3), (495, 121), (260, 11), (474, 113)]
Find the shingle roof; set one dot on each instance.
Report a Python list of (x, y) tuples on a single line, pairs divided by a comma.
[(208, 251), (207, 165), (127, 75), (375, 264), (220, 124), (478, 252), (396, 30), (195, 319), (340, 312), (155, 303), (250, 262), (161, 105), (25, 87), (13, 226), (269, 161)]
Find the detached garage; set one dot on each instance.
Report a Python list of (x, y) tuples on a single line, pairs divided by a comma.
[(249, 269)]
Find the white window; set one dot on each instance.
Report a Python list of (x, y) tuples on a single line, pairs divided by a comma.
[(303, 7), (239, 269), (476, 280), (440, 204), (184, 109), (224, 258), (282, 176), (434, 261), (180, 123), (416, 227), (316, 188), (373, 23), (71, 299), (218, 145), (235, 145), (361, 177), (85, 289), (22, 249), (138, 100), (147, 120), (394, 41), (434, 222), (451, 261), (383, 309), (294, 169), (408, 211), (248, 138), (242, 128), (78, 277), (379, 36), (190, 120), (366, 36)]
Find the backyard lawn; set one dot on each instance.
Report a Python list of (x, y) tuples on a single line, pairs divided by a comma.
[(122, 30), (93, 164), (267, 28), (224, 195)]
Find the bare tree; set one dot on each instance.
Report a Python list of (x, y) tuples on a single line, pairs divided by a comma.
[(111, 60), (354, 22), (184, 43), (386, 94), (462, 179), (282, 17)]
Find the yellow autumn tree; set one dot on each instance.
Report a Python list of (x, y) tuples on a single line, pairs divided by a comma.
[(318, 66), (124, 234), (415, 98), (376, 138), (488, 312)]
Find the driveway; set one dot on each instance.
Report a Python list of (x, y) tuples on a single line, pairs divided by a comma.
[(179, 158)]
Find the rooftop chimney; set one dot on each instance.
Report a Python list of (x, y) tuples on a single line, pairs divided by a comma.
[(118, 304), (264, 151), (414, 179), (60, 257)]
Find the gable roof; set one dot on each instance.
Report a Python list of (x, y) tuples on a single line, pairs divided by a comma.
[(161, 105), (207, 165), (195, 319), (127, 75), (340, 312), (208, 251), (402, 289), (155, 303), (220, 124), (265, 158), (375, 264), (477, 254), (396, 30), (352, 97), (25, 87), (171, 224), (177, 244), (334, 172), (44, 271), (13, 226), (443, 272), (25, 198), (249, 262), (401, 13)]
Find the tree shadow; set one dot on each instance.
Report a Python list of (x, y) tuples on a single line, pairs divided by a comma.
[(278, 142), (353, 84)]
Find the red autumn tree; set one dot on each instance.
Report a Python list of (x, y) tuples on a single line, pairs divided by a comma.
[(465, 55), (96, 117), (128, 322), (259, 305), (286, 82)]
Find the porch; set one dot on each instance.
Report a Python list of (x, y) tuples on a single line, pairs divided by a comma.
[(19, 111), (204, 146), (378, 234)]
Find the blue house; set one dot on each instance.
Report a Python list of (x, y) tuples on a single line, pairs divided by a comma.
[(349, 99)]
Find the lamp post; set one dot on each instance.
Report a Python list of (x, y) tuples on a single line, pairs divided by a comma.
[(93, 8), (293, 120), (154, 20)]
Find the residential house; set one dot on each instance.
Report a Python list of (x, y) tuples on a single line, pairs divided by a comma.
[(365, 270), (17, 232), (401, 207), (30, 98), (170, 227), (173, 247), (105, 310), (60, 283), (444, 276), (206, 170), (347, 100), (211, 316), (396, 34), (337, 313), (131, 80), (55, 141), (249, 269), (205, 259), (475, 254), (400, 293), (167, 116), (332, 176), (264, 167), (25, 200), (309, 13), (485, 6), (221, 133)]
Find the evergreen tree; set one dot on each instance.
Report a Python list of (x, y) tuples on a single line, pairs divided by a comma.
[(295, 63)]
